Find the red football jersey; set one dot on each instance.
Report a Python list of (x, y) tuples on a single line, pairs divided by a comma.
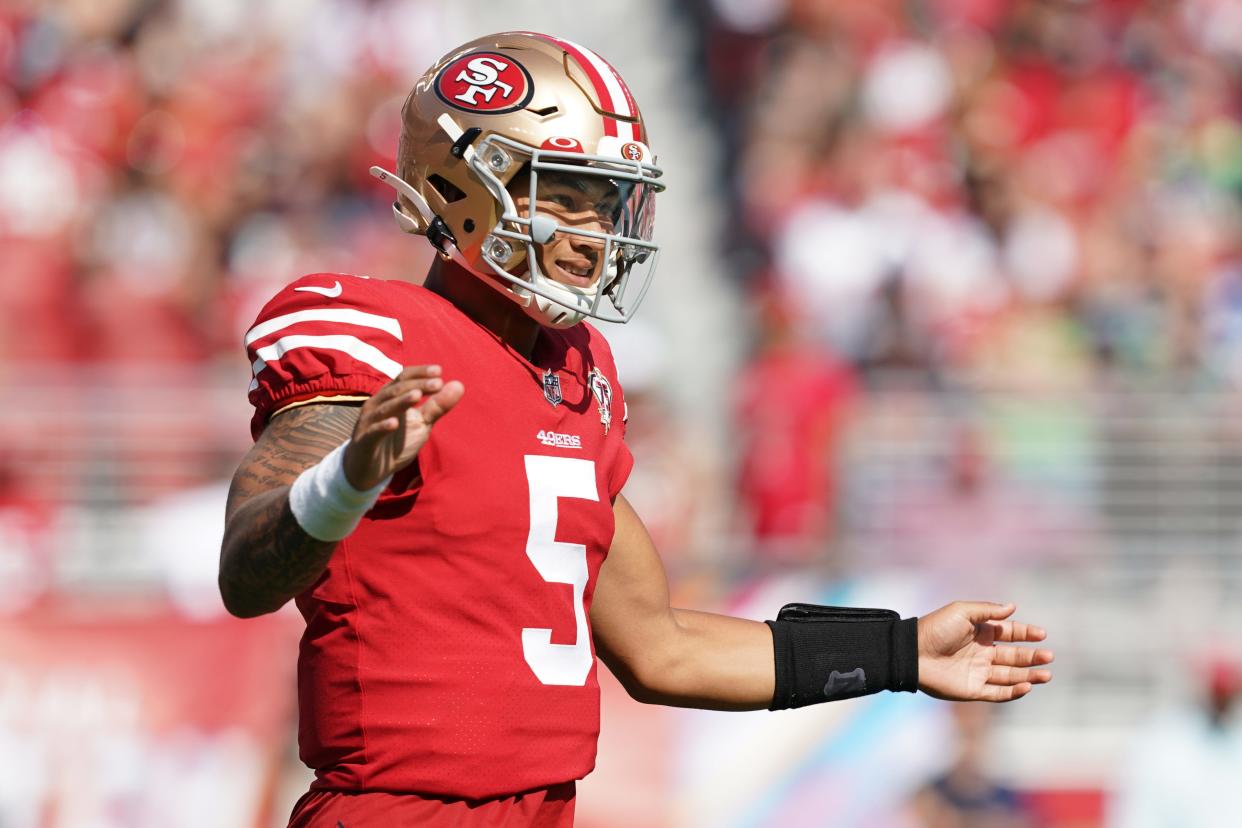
[(447, 647)]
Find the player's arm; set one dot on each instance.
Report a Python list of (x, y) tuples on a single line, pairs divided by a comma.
[(273, 548), (685, 658), (266, 557)]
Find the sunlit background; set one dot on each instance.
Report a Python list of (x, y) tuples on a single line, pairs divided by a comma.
[(950, 307)]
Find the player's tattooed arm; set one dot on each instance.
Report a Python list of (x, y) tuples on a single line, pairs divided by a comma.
[(266, 557)]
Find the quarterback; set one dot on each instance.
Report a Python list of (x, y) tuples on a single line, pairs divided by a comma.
[(437, 480)]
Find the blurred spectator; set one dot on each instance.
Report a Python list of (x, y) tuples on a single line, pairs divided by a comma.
[(26, 532), (792, 403), (1184, 767), (968, 795)]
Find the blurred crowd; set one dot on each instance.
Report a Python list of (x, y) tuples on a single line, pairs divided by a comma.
[(1036, 192), (1038, 196), (165, 166), (929, 201)]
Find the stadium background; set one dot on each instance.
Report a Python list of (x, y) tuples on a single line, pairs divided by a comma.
[(950, 306)]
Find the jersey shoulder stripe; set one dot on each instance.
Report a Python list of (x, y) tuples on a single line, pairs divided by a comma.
[(324, 335), (361, 351), (345, 316)]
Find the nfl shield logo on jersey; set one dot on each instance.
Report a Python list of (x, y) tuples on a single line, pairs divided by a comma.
[(603, 395), (552, 388)]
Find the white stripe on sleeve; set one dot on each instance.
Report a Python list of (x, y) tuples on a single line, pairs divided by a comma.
[(351, 345), (347, 316)]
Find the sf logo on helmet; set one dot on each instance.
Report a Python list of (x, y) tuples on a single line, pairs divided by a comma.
[(484, 82)]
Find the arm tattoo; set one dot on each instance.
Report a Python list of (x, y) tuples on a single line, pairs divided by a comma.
[(266, 557)]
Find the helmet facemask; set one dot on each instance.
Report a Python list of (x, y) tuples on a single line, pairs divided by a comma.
[(626, 258)]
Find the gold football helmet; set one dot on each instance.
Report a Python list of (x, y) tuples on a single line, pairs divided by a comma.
[(517, 101)]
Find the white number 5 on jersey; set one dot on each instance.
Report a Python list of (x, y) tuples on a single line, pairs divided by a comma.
[(550, 478)]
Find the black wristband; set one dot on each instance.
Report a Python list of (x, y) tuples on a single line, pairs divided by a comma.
[(832, 653)]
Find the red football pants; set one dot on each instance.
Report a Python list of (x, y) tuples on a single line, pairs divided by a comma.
[(548, 808)]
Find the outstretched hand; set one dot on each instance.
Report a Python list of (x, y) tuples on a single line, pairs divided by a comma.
[(392, 426), (960, 658)]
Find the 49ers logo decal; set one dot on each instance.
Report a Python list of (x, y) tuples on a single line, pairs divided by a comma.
[(485, 82)]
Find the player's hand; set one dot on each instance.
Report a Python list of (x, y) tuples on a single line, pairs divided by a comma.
[(960, 658), (395, 423)]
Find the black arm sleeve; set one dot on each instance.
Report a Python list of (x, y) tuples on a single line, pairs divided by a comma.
[(832, 653)]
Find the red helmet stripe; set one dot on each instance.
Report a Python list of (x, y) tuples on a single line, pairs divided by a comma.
[(629, 97), (594, 66)]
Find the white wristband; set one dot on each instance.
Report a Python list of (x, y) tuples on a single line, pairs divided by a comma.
[(323, 502)]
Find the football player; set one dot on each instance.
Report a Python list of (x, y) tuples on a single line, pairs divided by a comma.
[(437, 473)]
